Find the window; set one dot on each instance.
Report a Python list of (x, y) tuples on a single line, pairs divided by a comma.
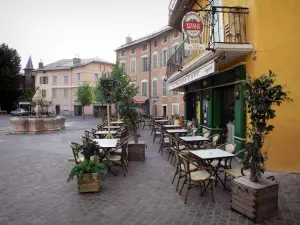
[(176, 34), (54, 80), (165, 39), (164, 90), (155, 59), (132, 50), (144, 64), (78, 76), (144, 88), (144, 47), (176, 56), (175, 108), (155, 42), (66, 80), (132, 66), (66, 102), (154, 88), (164, 58), (44, 93), (65, 92), (43, 80), (96, 77), (54, 93), (175, 92), (123, 52)]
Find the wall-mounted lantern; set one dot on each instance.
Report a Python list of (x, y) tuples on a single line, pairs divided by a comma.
[(237, 93), (207, 96)]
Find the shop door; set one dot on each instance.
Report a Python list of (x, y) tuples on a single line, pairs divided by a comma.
[(227, 107), (164, 111), (57, 110), (78, 110)]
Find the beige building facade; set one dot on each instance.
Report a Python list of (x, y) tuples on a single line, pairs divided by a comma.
[(58, 82), (145, 61)]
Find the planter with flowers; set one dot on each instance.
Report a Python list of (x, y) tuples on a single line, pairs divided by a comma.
[(256, 196)]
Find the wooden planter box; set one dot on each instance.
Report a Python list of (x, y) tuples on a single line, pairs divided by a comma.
[(89, 185), (258, 201), (136, 151)]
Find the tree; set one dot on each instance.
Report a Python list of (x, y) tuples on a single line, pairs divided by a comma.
[(85, 96), (260, 95), (122, 96), (9, 68)]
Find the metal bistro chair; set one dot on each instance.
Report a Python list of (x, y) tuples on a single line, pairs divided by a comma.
[(116, 158), (164, 141), (157, 131), (75, 149), (198, 176), (213, 142)]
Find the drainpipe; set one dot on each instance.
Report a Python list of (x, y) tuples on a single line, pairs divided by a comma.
[(150, 84)]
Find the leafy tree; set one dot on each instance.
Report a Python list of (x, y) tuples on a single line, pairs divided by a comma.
[(85, 96), (122, 96), (260, 95), (9, 68)]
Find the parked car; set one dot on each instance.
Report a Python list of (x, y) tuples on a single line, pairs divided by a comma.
[(19, 112)]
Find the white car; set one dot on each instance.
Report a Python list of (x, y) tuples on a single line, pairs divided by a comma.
[(19, 112)]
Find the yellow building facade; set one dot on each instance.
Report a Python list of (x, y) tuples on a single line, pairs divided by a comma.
[(270, 33)]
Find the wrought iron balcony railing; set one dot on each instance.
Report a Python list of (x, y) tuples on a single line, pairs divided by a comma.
[(221, 25)]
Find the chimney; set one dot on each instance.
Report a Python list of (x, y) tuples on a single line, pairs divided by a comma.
[(41, 66), (128, 39), (76, 60)]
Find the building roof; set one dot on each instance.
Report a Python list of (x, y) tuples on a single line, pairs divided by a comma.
[(147, 37), (64, 64), (29, 65)]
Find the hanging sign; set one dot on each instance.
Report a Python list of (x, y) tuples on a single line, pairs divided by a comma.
[(192, 25)]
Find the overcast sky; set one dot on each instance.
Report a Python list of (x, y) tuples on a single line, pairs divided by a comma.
[(57, 29)]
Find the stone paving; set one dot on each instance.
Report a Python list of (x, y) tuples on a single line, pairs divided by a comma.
[(33, 188)]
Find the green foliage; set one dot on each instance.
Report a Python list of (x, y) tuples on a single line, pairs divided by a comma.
[(260, 95), (122, 95), (85, 94), (29, 94), (89, 149), (88, 167), (9, 68)]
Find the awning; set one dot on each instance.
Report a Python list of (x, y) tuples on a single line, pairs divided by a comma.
[(140, 100)]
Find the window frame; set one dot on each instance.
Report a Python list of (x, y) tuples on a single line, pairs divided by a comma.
[(96, 75), (66, 102), (164, 39), (146, 47), (123, 52), (155, 54), (133, 53), (147, 66), (177, 104), (146, 82), (131, 61), (44, 93), (167, 52), (155, 44), (78, 76), (166, 92), (66, 91), (66, 83), (153, 81), (54, 83), (176, 31), (54, 91)]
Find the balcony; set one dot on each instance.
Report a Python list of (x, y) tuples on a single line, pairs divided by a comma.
[(224, 34)]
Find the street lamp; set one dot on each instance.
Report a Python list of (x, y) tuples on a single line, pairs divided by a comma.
[(109, 84)]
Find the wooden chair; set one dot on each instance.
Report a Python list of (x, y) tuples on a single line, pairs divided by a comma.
[(213, 142), (156, 131), (164, 141), (116, 158), (75, 149), (196, 176), (234, 172)]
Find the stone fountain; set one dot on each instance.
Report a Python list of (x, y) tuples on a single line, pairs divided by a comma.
[(38, 123)]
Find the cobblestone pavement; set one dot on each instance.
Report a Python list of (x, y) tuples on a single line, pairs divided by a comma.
[(33, 189)]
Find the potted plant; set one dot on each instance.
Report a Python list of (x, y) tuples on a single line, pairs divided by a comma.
[(254, 195), (91, 170), (178, 120)]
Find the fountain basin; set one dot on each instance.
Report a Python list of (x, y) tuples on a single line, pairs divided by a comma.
[(33, 125)]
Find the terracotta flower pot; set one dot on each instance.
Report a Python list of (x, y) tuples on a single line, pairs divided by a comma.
[(178, 122)]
